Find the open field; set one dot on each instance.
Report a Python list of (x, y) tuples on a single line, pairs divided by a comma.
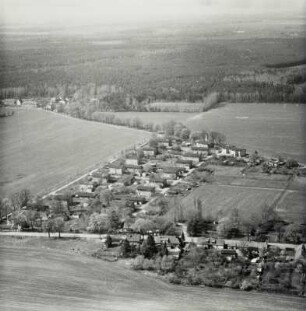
[(40, 149), (248, 193), (36, 279), (270, 128)]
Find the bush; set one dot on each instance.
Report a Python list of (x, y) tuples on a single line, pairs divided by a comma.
[(138, 263)]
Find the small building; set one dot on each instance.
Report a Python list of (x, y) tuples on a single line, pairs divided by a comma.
[(195, 158), (86, 188), (132, 160), (134, 169), (161, 134), (149, 151), (134, 239), (199, 150), (170, 173), (164, 142), (186, 164), (201, 143), (231, 151), (116, 168), (145, 191), (138, 200), (175, 153), (156, 181)]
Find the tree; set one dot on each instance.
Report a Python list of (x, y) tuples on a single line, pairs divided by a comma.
[(148, 247), (163, 250), (98, 223), (21, 199), (108, 241), (125, 249), (31, 216), (291, 163), (114, 221), (59, 225), (143, 225), (5, 207), (49, 226), (292, 233), (217, 137), (19, 218)]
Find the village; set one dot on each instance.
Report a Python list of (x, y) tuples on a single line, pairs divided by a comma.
[(164, 167), (133, 204)]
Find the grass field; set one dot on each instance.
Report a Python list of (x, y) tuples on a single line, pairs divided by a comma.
[(46, 279), (40, 149), (249, 193)]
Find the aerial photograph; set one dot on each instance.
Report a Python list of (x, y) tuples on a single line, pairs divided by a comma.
[(152, 155)]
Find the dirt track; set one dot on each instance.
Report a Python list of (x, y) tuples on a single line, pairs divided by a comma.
[(35, 279)]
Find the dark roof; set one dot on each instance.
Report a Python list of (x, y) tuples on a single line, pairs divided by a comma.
[(199, 148), (134, 238), (146, 188), (133, 166), (190, 155), (184, 161), (116, 164)]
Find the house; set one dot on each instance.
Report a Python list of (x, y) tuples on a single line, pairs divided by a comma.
[(116, 168), (126, 180), (156, 181), (195, 158), (134, 239), (170, 240), (174, 252), (186, 164), (201, 143), (86, 188), (229, 254), (171, 173), (94, 180), (226, 151), (79, 210), (89, 195), (145, 191), (161, 134), (186, 146), (199, 150), (149, 151), (175, 153), (164, 142), (231, 151), (132, 160), (134, 169), (138, 200)]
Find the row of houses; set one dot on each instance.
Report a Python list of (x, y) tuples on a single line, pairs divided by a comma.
[(147, 171)]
